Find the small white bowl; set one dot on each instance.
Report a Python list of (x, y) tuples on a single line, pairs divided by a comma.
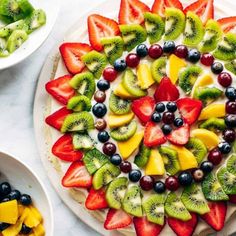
[(22, 178)]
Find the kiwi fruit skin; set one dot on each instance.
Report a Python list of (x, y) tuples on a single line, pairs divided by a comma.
[(132, 202), (6, 19), (198, 148), (118, 105), (16, 39), (82, 142), (158, 69), (194, 200), (153, 206), (79, 103), (105, 175), (155, 27), (213, 124), (212, 189), (141, 159), (231, 66), (116, 192), (227, 180), (113, 48), (25, 6), (231, 164), (8, 29)]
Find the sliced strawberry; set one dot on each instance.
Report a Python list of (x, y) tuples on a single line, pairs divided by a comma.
[(117, 219), (232, 198), (227, 23), (174, 3), (57, 118), (71, 54), (203, 8), (63, 149), (185, 228), (143, 108), (179, 136), (153, 135), (189, 109), (166, 91), (216, 217), (77, 176), (100, 27), (96, 199), (131, 12)]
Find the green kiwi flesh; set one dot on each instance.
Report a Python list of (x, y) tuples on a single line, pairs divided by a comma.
[(82, 142), (118, 105), (158, 69)]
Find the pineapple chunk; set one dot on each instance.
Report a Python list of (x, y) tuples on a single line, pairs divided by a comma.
[(144, 76), (122, 92), (115, 121), (213, 110)]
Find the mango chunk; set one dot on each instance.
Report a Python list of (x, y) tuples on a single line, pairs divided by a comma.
[(13, 230), (9, 212), (128, 147), (115, 121), (39, 230), (213, 110), (155, 165), (122, 92), (30, 219), (144, 76), (36, 213)]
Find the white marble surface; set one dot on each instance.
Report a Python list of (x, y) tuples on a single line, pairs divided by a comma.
[(17, 88)]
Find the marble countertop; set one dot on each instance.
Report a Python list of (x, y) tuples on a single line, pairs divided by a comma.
[(17, 89)]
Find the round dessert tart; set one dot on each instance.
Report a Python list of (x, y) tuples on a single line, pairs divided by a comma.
[(149, 116)]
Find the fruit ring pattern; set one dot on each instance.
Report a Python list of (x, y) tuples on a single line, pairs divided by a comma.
[(149, 115)]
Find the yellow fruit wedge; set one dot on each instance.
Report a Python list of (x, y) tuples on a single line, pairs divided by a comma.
[(122, 92), (144, 76), (13, 230), (176, 64), (30, 219), (209, 138), (115, 121), (39, 230), (155, 165), (9, 212), (21, 209), (213, 110), (128, 147), (186, 159), (36, 213)]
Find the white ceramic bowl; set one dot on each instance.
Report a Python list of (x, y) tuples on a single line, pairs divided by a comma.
[(22, 178)]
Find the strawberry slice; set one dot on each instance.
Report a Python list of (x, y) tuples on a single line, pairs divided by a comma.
[(232, 198), (131, 12), (174, 3), (203, 8), (77, 176), (189, 109), (96, 199), (100, 27), (117, 219), (71, 54), (166, 91), (60, 89), (57, 118), (227, 23), (185, 228), (143, 108), (179, 136), (63, 149), (216, 217), (153, 135)]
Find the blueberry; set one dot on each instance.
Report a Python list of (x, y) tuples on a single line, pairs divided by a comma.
[(99, 110), (230, 93), (116, 159), (169, 47), (25, 199), (135, 175), (156, 117), (159, 187), (5, 189), (193, 55), (230, 121), (14, 195), (120, 65), (25, 229), (3, 226), (206, 167), (103, 136), (185, 178), (178, 122), (225, 148), (217, 68), (160, 107), (171, 106), (142, 50), (166, 129), (103, 84)]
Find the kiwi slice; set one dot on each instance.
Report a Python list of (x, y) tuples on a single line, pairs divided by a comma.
[(231, 164), (125, 132), (8, 29), (213, 33), (231, 66), (94, 160), (132, 202), (188, 77), (155, 26), (118, 105), (194, 30), (175, 208), (6, 19), (16, 39), (82, 142), (198, 148), (214, 124), (130, 83), (105, 175), (79, 122), (226, 48), (212, 189), (3, 50), (116, 192), (9, 8), (194, 200), (132, 35), (170, 158), (25, 6), (158, 69), (174, 24), (153, 206), (79, 103), (227, 180), (84, 84), (141, 159)]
